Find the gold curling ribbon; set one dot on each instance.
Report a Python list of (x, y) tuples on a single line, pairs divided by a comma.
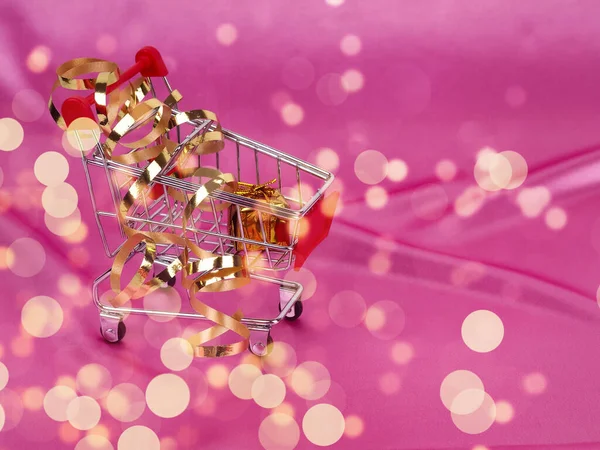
[(217, 273)]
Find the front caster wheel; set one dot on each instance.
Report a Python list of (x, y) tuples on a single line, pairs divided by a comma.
[(113, 331), (259, 347)]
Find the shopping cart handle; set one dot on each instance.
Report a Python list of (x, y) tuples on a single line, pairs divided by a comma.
[(318, 227), (148, 63)]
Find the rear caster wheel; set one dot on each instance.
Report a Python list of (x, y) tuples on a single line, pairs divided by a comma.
[(112, 329), (295, 312)]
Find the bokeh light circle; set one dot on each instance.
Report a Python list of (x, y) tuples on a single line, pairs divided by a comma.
[(51, 168), (42, 316), (93, 380), (2, 417), (482, 331), (556, 218), (163, 299), (106, 44), (167, 395), (311, 380), (489, 162), (354, 426), (65, 226), (328, 159), (518, 167), (445, 170), (138, 438), (33, 398), (94, 442), (352, 80), (504, 411), (533, 201), (83, 134), (402, 353), (56, 402), (281, 361), (241, 379), (376, 197), (323, 424), (306, 278), (292, 114), (330, 89), (385, 319), (27, 257), (11, 134), (217, 376), (83, 413), (177, 354), (535, 383), (397, 170), (389, 383), (469, 202), (268, 391), (38, 59), (347, 309), (4, 376), (126, 402), (226, 34), (350, 45), (28, 105), (371, 167), (479, 420), (452, 388), (60, 201), (279, 432)]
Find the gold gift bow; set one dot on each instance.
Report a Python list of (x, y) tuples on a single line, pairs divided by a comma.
[(220, 273)]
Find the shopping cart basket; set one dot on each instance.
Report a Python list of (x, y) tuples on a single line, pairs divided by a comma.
[(302, 184)]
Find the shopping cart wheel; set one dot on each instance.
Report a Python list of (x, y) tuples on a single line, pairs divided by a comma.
[(259, 346), (112, 328), (295, 311)]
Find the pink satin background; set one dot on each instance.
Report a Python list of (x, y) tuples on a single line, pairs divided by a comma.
[(436, 77)]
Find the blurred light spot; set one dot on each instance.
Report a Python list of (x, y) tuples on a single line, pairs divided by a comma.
[(376, 197), (284, 408), (268, 391), (518, 167), (323, 424), (478, 421), (279, 432), (38, 59), (177, 354), (28, 105), (82, 135), (12, 410), (482, 331), (347, 309), (51, 168), (65, 380), (328, 159), (94, 442), (1, 176), (279, 99), (515, 96), (168, 443), (306, 278), (535, 383), (292, 114), (354, 426), (469, 202), (60, 201), (350, 45), (352, 80), (138, 438), (22, 345), (532, 201), (67, 433), (77, 236), (462, 392), (492, 172), (311, 380), (42, 316), (93, 380), (389, 383), (7, 258), (217, 376), (163, 299), (298, 73), (371, 167), (3, 376), (480, 447), (467, 273), (282, 359), (69, 284), (504, 411), (330, 90), (226, 34), (79, 256), (241, 379), (429, 202), (385, 320), (445, 170), (397, 170), (556, 218), (2, 417), (167, 395), (380, 263), (126, 402), (106, 44), (334, 3), (56, 402), (402, 352), (65, 226), (83, 413), (157, 333), (11, 134), (33, 398)]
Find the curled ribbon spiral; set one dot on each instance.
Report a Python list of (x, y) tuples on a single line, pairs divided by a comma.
[(118, 113)]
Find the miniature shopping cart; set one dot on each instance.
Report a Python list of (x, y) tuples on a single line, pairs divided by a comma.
[(303, 185)]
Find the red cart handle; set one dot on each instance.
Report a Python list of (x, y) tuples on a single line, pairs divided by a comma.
[(148, 63)]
